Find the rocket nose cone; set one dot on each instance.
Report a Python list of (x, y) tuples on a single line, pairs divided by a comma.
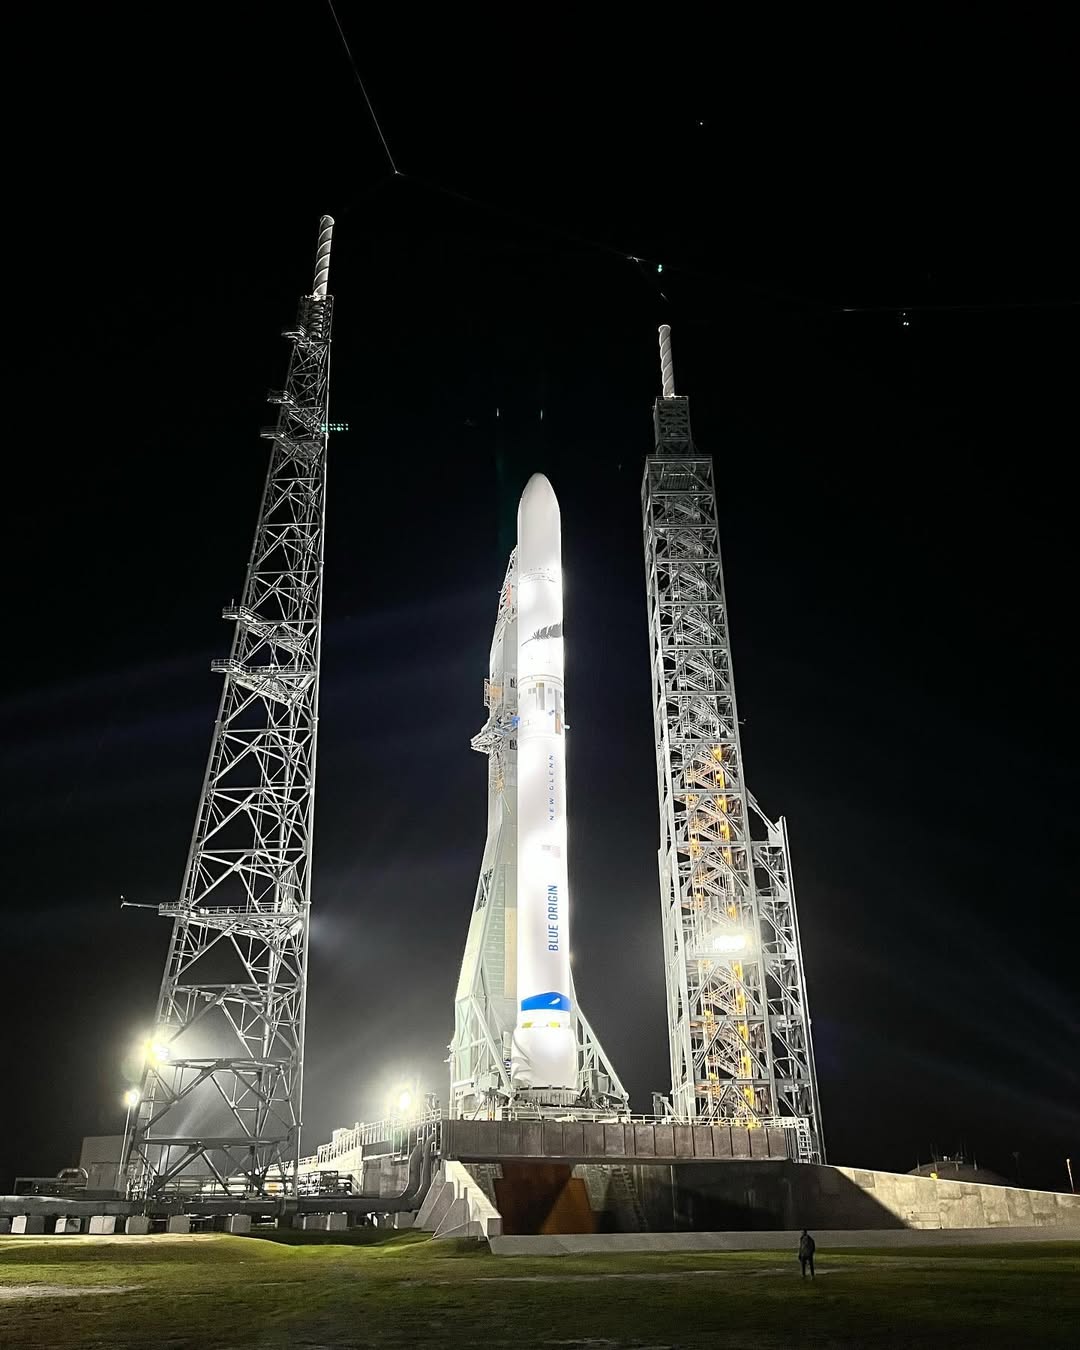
[(538, 490), (539, 524), (538, 517)]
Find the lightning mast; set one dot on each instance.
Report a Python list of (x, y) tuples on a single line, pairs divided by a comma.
[(221, 1097), (738, 1020)]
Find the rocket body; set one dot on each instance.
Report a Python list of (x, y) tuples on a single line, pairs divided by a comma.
[(544, 1049)]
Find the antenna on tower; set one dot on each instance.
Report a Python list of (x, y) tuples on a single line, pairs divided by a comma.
[(322, 257), (667, 364)]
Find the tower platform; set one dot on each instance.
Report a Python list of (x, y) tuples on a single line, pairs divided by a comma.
[(586, 1141)]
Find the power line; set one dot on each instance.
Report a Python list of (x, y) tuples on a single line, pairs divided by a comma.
[(645, 265), (360, 82), (974, 306)]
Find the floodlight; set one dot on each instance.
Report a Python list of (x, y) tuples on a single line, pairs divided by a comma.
[(158, 1052)]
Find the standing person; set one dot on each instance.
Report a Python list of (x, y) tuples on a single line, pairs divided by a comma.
[(807, 1247)]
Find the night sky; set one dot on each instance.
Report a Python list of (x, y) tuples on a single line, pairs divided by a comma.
[(898, 523)]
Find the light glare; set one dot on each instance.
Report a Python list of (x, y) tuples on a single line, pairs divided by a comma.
[(157, 1052)]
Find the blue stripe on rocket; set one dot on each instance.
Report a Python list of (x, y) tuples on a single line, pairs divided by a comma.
[(550, 1001)]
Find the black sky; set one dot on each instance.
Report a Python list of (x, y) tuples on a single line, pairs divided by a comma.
[(897, 509)]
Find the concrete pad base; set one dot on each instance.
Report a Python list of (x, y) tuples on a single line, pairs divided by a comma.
[(28, 1223), (237, 1223), (178, 1223), (103, 1223), (588, 1244), (67, 1223), (138, 1225)]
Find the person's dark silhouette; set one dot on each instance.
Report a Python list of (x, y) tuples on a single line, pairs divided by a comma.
[(807, 1247)]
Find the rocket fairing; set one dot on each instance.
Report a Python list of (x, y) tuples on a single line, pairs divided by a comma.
[(544, 1047)]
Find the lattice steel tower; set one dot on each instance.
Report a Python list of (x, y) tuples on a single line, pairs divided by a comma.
[(738, 1021), (220, 1109)]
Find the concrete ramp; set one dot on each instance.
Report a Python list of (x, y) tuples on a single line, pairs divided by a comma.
[(455, 1206)]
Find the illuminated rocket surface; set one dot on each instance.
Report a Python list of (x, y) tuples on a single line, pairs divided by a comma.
[(544, 1051)]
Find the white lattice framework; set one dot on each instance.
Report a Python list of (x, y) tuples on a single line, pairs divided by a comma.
[(738, 1020), (221, 1097), (485, 1006)]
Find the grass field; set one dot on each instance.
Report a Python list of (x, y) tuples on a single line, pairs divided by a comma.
[(209, 1290)]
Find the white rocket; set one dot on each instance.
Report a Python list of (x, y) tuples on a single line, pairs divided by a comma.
[(519, 1031), (544, 1048)]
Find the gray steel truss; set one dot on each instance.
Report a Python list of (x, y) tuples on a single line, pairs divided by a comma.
[(485, 1006), (221, 1097), (738, 1019)]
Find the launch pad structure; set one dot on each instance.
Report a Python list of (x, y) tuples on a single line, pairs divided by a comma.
[(538, 1136), (537, 1114), (219, 1111)]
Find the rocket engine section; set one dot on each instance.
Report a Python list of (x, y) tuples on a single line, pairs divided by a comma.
[(544, 1048)]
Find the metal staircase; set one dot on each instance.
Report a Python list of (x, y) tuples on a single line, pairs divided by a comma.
[(628, 1203)]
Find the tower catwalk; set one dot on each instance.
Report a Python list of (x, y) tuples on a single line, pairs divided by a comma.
[(220, 1109), (738, 1021)]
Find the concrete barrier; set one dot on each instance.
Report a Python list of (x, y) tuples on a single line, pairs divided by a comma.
[(138, 1225), (68, 1223), (103, 1223), (768, 1196), (28, 1223), (936, 1202), (785, 1243), (337, 1222), (178, 1223), (455, 1206), (237, 1223)]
